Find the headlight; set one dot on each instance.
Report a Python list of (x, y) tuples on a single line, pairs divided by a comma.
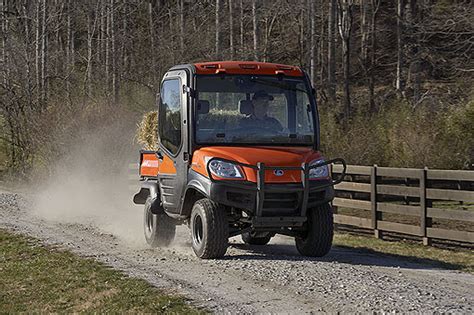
[(318, 172), (225, 169)]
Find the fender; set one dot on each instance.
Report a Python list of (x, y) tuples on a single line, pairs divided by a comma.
[(148, 188), (197, 185)]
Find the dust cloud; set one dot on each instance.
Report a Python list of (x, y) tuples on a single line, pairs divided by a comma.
[(92, 185)]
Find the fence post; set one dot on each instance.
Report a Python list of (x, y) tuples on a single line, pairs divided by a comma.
[(373, 200), (424, 220)]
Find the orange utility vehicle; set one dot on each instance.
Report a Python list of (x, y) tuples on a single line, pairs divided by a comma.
[(238, 155)]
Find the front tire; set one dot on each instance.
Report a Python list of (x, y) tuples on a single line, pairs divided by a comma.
[(209, 229), (317, 240), (159, 228)]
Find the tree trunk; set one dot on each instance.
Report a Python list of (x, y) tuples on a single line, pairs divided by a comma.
[(44, 52), (415, 67), (152, 41), (90, 34), (345, 28), (373, 50), (312, 62), (364, 32), (332, 51), (124, 41), (107, 47), (218, 30), (38, 51), (302, 52), (255, 30), (231, 29), (400, 84), (181, 26), (321, 54), (115, 78), (4, 27), (241, 25)]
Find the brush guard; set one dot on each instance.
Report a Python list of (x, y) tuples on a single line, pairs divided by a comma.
[(261, 188)]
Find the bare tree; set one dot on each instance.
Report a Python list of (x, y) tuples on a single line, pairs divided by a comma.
[(400, 83), (181, 25), (115, 78), (312, 41), (44, 52), (151, 29), (255, 29), (332, 50), (218, 30), (231, 29), (373, 49), (107, 46), (345, 8), (241, 24)]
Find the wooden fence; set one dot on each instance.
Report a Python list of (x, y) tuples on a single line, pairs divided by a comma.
[(424, 195)]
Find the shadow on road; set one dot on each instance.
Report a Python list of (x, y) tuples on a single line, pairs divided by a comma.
[(341, 254)]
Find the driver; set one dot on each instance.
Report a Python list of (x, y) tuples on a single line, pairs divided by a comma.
[(259, 117)]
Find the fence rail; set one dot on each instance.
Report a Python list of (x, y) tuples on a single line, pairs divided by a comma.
[(375, 191)]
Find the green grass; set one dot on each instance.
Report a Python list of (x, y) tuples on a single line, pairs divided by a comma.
[(39, 279), (458, 259)]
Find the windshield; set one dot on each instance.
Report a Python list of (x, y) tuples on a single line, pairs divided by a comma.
[(247, 109)]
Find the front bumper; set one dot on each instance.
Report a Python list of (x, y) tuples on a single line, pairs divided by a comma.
[(277, 199)]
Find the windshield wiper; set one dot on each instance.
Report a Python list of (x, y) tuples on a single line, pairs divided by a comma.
[(277, 84)]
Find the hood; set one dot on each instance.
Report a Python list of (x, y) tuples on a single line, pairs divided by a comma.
[(271, 156)]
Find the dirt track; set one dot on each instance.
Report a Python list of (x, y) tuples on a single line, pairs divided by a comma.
[(272, 278)]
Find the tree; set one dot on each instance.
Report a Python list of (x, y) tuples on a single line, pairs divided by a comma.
[(256, 30), (332, 51), (345, 8), (400, 83), (218, 30)]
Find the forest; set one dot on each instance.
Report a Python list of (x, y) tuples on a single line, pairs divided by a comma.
[(394, 79)]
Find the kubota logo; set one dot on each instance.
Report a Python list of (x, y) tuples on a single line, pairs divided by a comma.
[(278, 172)]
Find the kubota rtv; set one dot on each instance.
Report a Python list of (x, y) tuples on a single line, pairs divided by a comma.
[(238, 155)]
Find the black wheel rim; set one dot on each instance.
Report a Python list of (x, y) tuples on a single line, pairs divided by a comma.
[(197, 230)]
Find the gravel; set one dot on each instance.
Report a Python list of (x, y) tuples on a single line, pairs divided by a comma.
[(271, 278)]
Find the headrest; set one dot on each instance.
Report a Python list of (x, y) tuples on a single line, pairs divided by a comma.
[(245, 107), (202, 107)]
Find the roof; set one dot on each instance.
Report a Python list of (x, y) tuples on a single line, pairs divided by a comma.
[(246, 67)]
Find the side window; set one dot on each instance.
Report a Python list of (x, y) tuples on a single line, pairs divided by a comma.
[(169, 120)]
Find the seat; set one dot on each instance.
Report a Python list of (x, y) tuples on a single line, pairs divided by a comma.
[(203, 107), (246, 107)]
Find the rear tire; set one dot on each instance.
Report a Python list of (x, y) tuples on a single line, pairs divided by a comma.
[(251, 239), (209, 229), (159, 228), (317, 240)]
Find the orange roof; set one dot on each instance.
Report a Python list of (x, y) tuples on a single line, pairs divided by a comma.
[(246, 67)]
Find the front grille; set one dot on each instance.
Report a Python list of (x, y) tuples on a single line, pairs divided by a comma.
[(280, 200)]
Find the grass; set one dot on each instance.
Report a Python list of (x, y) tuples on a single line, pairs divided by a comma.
[(459, 259), (39, 279)]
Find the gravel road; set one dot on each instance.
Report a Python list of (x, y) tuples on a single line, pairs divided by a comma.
[(272, 278)]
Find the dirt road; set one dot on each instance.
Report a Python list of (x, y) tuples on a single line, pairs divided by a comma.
[(272, 278)]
